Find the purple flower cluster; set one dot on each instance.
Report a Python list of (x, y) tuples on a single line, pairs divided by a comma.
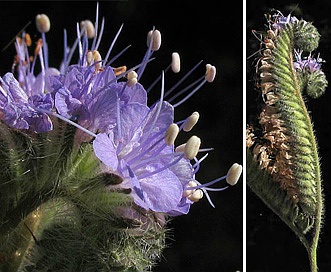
[(132, 139), (280, 21), (308, 64)]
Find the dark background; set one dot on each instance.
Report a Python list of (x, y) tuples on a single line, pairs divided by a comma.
[(206, 239), (271, 245)]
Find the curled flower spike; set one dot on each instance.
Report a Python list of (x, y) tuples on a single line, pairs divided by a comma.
[(283, 165)]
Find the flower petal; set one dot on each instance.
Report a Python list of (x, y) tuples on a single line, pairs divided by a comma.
[(105, 150)]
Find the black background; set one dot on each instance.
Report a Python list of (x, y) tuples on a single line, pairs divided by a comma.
[(206, 239), (271, 246)]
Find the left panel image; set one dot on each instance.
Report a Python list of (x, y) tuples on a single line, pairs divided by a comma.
[(121, 137)]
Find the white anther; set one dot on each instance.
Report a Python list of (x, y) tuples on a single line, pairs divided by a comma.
[(196, 195), (89, 28), (192, 147), (171, 134), (97, 58), (210, 73), (42, 23), (234, 174), (156, 39), (89, 57), (175, 62), (187, 193), (191, 121), (180, 148), (132, 78)]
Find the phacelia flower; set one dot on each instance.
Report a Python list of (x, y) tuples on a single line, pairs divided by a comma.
[(133, 140), (19, 110)]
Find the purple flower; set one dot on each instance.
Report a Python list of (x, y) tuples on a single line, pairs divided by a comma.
[(138, 153), (20, 111), (308, 64), (90, 96), (281, 21)]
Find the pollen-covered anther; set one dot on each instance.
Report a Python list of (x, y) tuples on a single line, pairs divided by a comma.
[(38, 47), (192, 147), (171, 134), (234, 174), (119, 70), (210, 73), (43, 23), (191, 121), (175, 62), (89, 28), (27, 39), (156, 36), (132, 78)]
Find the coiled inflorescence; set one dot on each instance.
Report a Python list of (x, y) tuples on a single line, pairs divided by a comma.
[(285, 148)]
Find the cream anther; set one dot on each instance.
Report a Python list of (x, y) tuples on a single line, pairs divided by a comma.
[(191, 121), (234, 174), (171, 134), (156, 43), (175, 62), (89, 57), (192, 147), (132, 78), (210, 73), (97, 58), (196, 195), (187, 193), (180, 148), (89, 28), (42, 23)]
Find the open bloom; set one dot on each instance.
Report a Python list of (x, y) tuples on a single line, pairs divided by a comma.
[(20, 111), (133, 140)]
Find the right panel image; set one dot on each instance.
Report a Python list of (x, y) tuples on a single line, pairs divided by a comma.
[(288, 154)]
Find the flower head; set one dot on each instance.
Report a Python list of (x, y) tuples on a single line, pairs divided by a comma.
[(132, 139)]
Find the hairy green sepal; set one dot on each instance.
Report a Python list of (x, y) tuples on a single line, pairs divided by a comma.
[(59, 212)]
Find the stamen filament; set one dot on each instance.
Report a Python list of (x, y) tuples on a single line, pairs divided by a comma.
[(113, 43), (182, 79), (66, 120), (162, 168)]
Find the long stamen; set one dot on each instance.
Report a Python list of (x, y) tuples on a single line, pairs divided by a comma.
[(182, 79), (154, 42), (66, 120), (113, 43), (158, 110), (162, 168)]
